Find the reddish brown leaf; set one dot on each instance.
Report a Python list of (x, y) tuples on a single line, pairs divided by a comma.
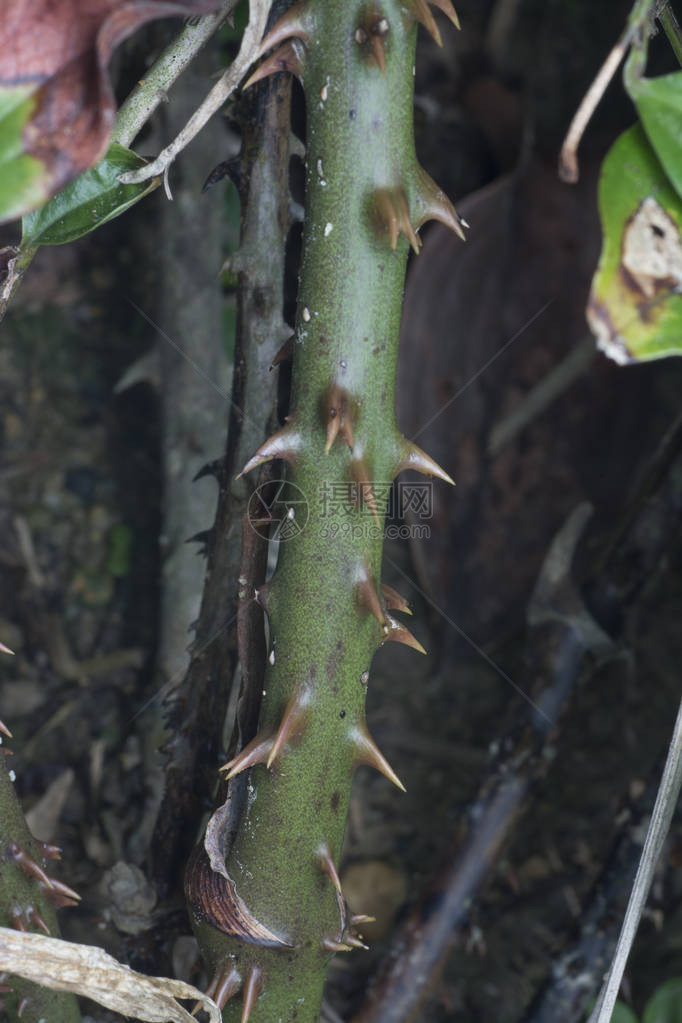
[(53, 57)]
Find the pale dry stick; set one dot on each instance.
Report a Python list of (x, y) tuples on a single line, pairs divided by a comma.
[(152, 89), (568, 157), (664, 807), (215, 99)]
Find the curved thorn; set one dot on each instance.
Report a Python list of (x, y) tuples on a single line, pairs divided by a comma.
[(252, 990), (227, 983), (394, 600), (377, 43), (295, 23), (284, 353), (362, 918), (388, 214), (434, 204), (29, 865), (327, 863), (288, 57), (286, 444), (338, 411), (367, 593), (412, 457), (291, 724), (61, 894), (355, 942), (256, 752), (36, 919), (396, 632), (405, 222), (332, 945), (448, 10), (422, 12), (364, 490), (367, 752), (51, 852), (5, 730)]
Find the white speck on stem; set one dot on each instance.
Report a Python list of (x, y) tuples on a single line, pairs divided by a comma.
[(271, 658), (12, 776), (306, 314), (328, 228)]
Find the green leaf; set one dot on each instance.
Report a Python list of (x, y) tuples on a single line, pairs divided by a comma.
[(659, 105), (23, 180), (635, 306), (88, 201), (665, 1005), (623, 1014)]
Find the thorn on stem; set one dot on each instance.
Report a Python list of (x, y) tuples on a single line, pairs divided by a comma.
[(396, 632), (327, 863), (256, 752), (252, 990), (289, 57), (286, 444), (291, 724), (394, 216), (367, 752), (394, 600), (412, 457)]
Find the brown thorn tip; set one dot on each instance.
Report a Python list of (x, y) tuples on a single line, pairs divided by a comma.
[(364, 489), (291, 724), (394, 600), (252, 990), (422, 12), (377, 44), (434, 204), (367, 594), (356, 943), (414, 458), (284, 444), (37, 920), (29, 865), (448, 10), (338, 412), (327, 863), (58, 891), (367, 752), (256, 752), (227, 983), (288, 57), (5, 730), (394, 213), (399, 634), (52, 852), (362, 918), (294, 23), (336, 946)]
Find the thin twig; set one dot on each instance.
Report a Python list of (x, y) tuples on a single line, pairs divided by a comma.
[(215, 99), (664, 807), (152, 89), (670, 25), (568, 157)]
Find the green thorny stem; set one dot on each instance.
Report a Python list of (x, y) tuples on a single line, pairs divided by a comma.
[(29, 898), (366, 196)]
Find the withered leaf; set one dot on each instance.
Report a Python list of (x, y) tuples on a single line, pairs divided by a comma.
[(56, 101)]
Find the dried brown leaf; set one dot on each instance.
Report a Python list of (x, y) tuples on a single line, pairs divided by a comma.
[(89, 971)]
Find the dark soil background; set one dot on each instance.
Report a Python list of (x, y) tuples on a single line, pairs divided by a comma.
[(87, 535)]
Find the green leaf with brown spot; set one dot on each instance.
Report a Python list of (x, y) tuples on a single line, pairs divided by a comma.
[(23, 183), (88, 201), (635, 305)]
